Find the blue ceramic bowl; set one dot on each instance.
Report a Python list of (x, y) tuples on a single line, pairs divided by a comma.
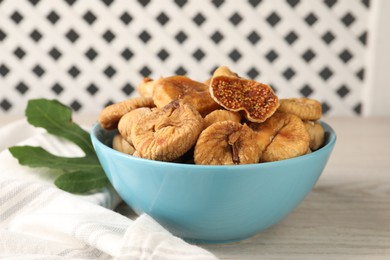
[(212, 204)]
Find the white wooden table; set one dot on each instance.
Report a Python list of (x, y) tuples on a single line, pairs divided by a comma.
[(346, 216)]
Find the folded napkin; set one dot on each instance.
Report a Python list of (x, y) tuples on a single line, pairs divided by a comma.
[(39, 221)]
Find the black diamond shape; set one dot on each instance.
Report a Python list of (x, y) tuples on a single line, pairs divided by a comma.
[(57, 88), (253, 73), (70, 2), (360, 74), (89, 17), (342, 91), (348, 19), (4, 70), (306, 90), (291, 37), (162, 18), (128, 89), (21, 88), (16, 17), (274, 88), (36, 35), (345, 56), (326, 73), (108, 2), (53, 17), (163, 54), (180, 71), (109, 71), (289, 73), (235, 19), (34, 2), (235, 55), (144, 2), (308, 55), (181, 3), (216, 37), (293, 3), (2, 35), (271, 56), (181, 37), (358, 108), (145, 71), (38, 70), (366, 3), (20, 53), (330, 3), (253, 37), (199, 19), (5, 105), (311, 19), (198, 54), (328, 37), (92, 89), (144, 36), (218, 3), (91, 54), (55, 53), (126, 18), (255, 3), (325, 107), (273, 19), (72, 35), (108, 36), (75, 105), (127, 54), (74, 71), (363, 38)]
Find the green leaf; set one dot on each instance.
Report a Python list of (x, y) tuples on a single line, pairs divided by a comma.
[(56, 118), (38, 157), (81, 182)]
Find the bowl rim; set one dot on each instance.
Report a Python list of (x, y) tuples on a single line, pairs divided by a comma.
[(329, 145)]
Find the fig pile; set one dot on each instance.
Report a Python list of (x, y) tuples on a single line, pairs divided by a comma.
[(225, 120)]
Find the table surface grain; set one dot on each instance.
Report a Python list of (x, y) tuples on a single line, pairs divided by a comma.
[(345, 216)]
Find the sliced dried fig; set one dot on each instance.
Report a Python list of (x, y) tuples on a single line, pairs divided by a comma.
[(224, 71), (316, 134), (305, 108), (221, 115), (121, 145), (110, 115), (226, 143), (256, 99), (145, 88), (180, 87), (282, 136), (129, 120), (167, 133)]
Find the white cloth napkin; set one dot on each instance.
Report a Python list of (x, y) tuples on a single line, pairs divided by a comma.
[(39, 221)]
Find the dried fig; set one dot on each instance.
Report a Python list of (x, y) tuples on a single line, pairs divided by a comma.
[(316, 134), (110, 115), (256, 99), (145, 88), (183, 88), (305, 108), (121, 145), (282, 136), (129, 120), (221, 115), (226, 143), (167, 133)]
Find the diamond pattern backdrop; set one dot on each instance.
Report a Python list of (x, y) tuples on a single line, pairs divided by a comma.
[(91, 53)]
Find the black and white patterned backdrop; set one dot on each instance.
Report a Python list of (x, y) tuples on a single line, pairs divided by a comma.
[(90, 53)]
